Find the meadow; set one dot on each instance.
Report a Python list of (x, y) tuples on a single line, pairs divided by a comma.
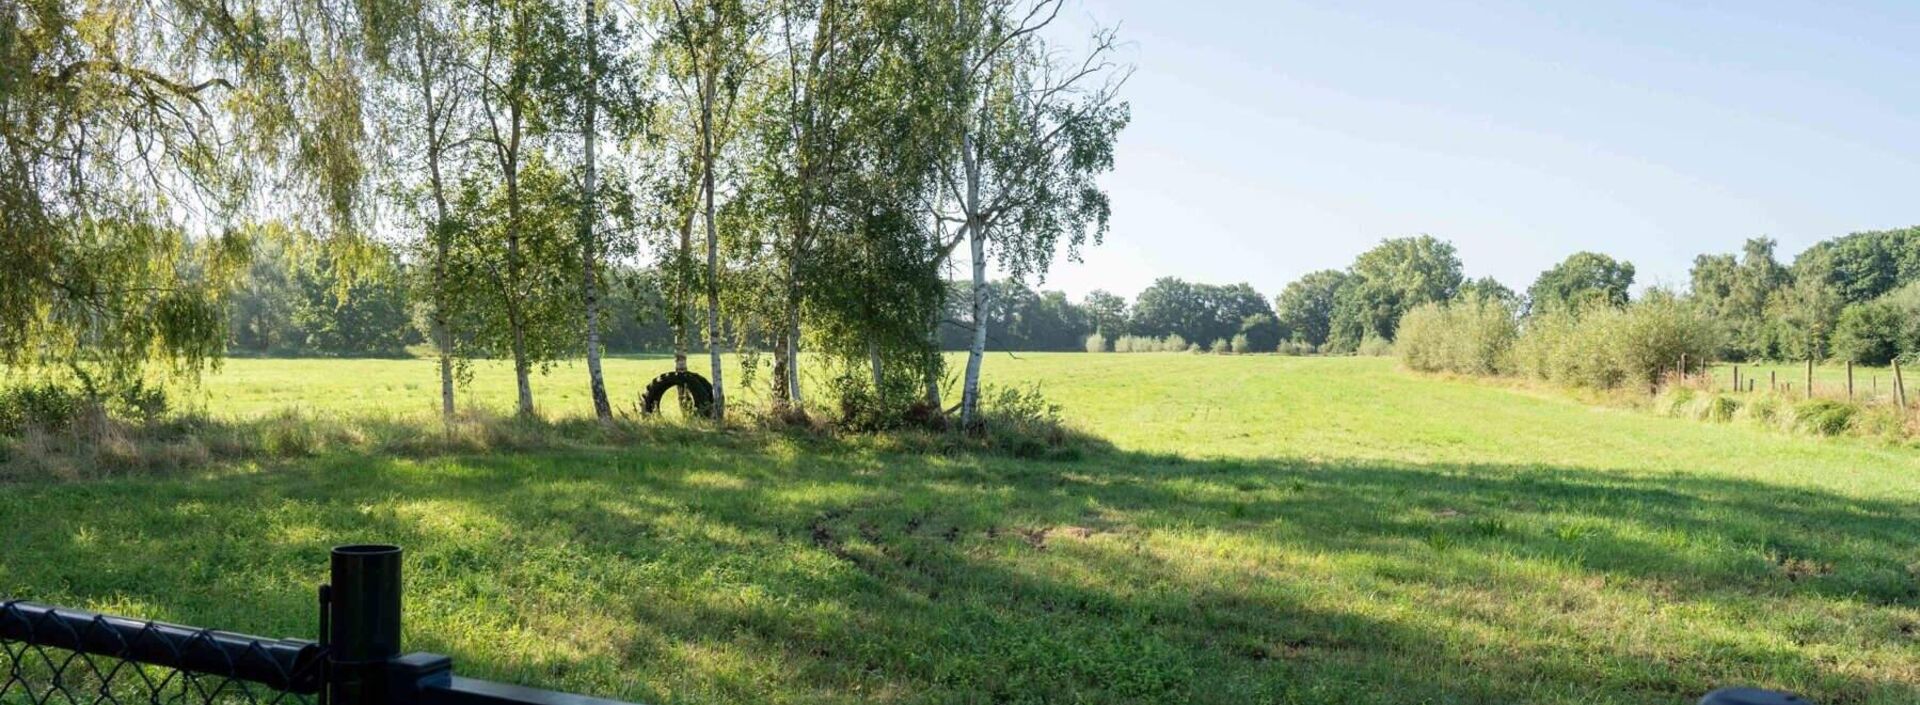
[(1256, 529)]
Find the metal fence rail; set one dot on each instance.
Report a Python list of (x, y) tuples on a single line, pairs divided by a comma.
[(59, 656)]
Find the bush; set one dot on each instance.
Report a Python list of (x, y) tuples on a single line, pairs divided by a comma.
[(1296, 348), (1220, 346), (1096, 343), (1374, 346), (1824, 417), (53, 406), (1175, 343), (1241, 345), (1473, 337), (1875, 332), (45, 405), (1604, 347)]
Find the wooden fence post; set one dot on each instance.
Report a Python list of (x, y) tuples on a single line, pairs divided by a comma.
[(1899, 386), (1773, 381), (1849, 380), (1736, 378), (1809, 378)]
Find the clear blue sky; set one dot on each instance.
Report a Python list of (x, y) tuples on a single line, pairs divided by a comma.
[(1270, 139)]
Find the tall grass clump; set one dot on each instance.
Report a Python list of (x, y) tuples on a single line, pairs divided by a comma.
[(1471, 337)]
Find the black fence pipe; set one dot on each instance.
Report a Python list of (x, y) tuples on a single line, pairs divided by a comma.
[(363, 625), (291, 665)]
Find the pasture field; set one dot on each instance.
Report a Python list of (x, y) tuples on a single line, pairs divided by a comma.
[(1263, 529)]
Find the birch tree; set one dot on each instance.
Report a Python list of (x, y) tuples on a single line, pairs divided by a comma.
[(714, 49), (425, 124), (513, 242), (1035, 130), (131, 129)]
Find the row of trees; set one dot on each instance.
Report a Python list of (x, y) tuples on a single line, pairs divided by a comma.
[(295, 301), (1855, 297), (796, 174)]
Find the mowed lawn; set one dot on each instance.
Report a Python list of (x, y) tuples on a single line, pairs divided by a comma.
[(1265, 529)]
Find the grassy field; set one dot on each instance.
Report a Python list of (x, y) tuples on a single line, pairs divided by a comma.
[(1264, 529)]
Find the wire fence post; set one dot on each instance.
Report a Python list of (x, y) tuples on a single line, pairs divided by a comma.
[(1809, 377), (1899, 386), (1849, 380)]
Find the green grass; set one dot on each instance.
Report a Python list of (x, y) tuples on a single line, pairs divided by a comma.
[(1266, 529)]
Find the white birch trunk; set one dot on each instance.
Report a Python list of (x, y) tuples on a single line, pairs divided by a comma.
[(589, 246), (977, 352)]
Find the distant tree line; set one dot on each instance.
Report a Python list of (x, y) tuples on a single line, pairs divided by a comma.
[(295, 300)]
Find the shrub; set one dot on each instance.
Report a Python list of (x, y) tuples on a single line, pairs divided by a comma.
[(1374, 346), (1174, 343), (1824, 417), (1467, 337), (45, 405), (1877, 331), (1241, 345), (1296, 348), (1604, 347), (1096, 343), (1220, 346)]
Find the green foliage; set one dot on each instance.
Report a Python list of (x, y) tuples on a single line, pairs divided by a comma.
[(1097, 343), (1802, 317), (1580, 279), (1374, 346), (1471, 336), (1878, 331), (1172, 306), (1386, 282), (1603, 347), (56, 405), (1305, 307), (131, 132), (1824, 417), (1734, 291), (1261, 333), (1107, 312), (1018, 318), (1863, 266), (1241, 345)]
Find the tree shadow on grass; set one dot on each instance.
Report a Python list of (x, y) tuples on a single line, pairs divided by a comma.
[(759, 574)]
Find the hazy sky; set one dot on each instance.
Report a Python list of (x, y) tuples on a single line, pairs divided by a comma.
[(1270, 139)]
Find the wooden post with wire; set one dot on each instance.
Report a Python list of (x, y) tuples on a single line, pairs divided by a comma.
[(1849, 380), (1899, 386), (1809, 377)]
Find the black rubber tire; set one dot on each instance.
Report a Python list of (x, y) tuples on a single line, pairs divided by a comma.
[(697, 387)]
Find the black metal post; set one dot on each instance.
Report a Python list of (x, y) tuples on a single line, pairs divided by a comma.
[(364, 630)]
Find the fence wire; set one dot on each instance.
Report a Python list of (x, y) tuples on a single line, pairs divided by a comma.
[(56, 656)]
